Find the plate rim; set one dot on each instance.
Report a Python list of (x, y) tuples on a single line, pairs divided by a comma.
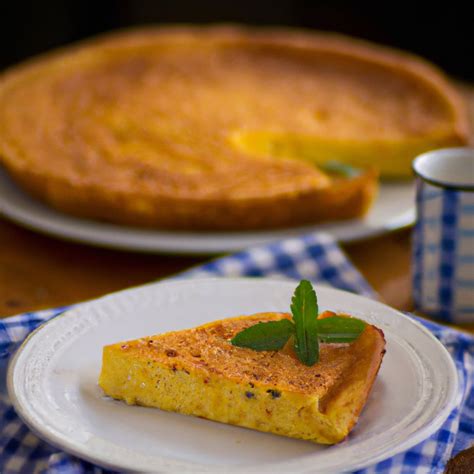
[(104, 234), (65, 445)]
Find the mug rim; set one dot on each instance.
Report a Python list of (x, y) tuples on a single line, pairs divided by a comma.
[(439, 183)]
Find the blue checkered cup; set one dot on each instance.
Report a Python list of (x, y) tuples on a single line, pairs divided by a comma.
[(443, 245)]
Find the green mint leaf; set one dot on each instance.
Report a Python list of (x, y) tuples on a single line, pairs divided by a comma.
[(341, 169), (268, 336), (304, 307), (339, 329)]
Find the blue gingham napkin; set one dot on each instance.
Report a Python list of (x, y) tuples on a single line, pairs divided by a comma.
[(313, 256)]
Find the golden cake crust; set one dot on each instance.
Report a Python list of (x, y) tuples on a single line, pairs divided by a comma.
[(152, 127), (207, 349)]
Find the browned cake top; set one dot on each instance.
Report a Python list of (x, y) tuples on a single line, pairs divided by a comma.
[(155, 110), (207, 349)]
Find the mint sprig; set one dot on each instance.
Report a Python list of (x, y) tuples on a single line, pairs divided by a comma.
[(308, 331), (339, 329), (270, 336), (335, 167), (304, 307)]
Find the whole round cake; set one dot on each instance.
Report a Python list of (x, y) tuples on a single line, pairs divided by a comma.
[(220, 127)]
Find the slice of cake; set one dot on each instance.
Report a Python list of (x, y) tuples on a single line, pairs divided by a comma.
[(199, 372)]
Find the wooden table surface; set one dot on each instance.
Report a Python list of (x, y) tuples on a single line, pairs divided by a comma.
[(40, 272)]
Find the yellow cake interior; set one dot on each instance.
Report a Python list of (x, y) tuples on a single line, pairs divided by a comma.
[(391, 157)]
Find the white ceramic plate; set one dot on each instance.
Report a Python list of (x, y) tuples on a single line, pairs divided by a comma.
[(393, 209), (52, 382)]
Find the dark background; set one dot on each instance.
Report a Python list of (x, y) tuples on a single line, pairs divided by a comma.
[(440, 31)]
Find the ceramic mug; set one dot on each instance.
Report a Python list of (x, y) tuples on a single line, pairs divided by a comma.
[(443, 246)]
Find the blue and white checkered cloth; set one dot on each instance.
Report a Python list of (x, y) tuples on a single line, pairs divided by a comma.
[(314, 257)]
